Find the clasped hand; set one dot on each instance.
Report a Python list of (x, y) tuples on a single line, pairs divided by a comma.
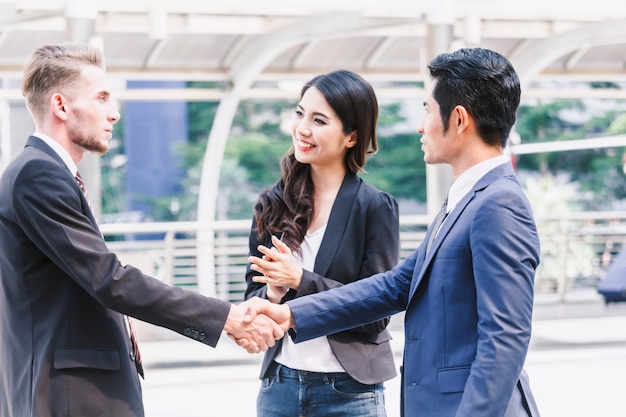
[(278, 266), (257, 324)]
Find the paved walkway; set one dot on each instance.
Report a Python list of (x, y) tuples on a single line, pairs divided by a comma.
[(577, 366)]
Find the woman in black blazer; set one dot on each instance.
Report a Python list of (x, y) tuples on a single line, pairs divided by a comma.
[(336, 226)]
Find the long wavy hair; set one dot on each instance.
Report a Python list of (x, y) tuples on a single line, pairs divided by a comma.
[(286, 209)]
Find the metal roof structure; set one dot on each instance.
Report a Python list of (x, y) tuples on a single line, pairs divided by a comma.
[(262, 46), (268, 48)]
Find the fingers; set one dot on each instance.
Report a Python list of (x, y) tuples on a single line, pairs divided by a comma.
[(270, 329), (280, 313), (250, 347), (251, 329), (280, 245), (260, 265), (269, 333), (251, 307), (269, 253)]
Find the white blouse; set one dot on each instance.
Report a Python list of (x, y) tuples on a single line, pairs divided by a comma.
[(313, 355)]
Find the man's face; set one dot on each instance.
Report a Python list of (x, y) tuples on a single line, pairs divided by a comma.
[(438, 146), (91, 112)]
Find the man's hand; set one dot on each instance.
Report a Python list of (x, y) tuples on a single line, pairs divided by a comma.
[(258, 309), (253, 335), (279, 313)]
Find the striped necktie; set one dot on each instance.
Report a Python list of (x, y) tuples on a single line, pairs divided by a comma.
[(81, 184)]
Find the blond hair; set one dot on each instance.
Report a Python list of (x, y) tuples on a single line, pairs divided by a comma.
[(55, 67)]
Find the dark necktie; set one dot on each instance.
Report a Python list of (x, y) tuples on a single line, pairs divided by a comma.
[(81, 184), (441, 216), (135, 354)]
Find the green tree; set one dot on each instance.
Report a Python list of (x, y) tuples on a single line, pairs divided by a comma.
[(598, 172), (398, 167), (544, 123)]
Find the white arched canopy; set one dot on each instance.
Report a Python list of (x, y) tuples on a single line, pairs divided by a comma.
[(251, 47), (243, 74)]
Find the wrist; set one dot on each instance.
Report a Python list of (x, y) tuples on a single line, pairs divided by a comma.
[(298, 281), (235, 316), (275, 293)]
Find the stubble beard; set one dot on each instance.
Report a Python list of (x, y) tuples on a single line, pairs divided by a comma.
[(88, 142), (91, 144)]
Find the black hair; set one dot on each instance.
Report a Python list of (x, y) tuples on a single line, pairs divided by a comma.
[(484, 83)]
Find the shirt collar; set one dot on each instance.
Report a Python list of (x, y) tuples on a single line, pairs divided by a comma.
[(60, 150), (470, 177)]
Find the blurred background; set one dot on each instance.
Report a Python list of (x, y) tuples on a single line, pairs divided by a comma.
[(207, 88)]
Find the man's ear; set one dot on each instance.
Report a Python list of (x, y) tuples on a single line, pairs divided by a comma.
[(58, 104), (460, 118)]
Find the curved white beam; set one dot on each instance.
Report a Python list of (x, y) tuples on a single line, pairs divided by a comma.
[(530, 61), (245, 70), (616, 141)]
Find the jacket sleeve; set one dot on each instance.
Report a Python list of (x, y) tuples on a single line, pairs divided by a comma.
[(50, 210), (380, 254), (505, 251), (354, 304)]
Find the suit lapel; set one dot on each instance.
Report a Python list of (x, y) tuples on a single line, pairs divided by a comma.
[(337, 223), (421, 267)]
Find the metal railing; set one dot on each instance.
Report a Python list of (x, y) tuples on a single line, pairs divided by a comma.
[(576, 249)]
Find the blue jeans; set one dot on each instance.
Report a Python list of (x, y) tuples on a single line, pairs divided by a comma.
[(288, 392)]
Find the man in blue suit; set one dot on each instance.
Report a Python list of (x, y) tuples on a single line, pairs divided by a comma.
[(469, 296)]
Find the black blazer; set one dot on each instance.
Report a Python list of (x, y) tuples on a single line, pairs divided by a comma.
[(362, 238), (64, 346)]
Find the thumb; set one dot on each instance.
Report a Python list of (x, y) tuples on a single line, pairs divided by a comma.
[(253, 307), (249, 316)]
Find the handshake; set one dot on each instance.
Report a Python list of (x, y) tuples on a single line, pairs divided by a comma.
[(256, 324)]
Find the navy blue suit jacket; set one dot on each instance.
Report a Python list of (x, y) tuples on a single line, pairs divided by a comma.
[(468, 306), (362, 238)]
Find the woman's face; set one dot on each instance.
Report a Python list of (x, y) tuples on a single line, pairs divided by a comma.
[(317, 132)]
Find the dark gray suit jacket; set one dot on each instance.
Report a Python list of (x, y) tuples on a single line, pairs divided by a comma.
[(362, 238), (64, 346)]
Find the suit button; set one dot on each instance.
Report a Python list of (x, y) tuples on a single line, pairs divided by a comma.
[(187, 332), (202, 336), (132, 356), (196, 334)]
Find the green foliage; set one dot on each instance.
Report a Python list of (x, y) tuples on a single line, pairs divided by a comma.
[(618, 125), (257, 143), (598, 172), (398, 167), (544, 123), (550, 196), (260, 154), (113, 171), (201, 116)]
